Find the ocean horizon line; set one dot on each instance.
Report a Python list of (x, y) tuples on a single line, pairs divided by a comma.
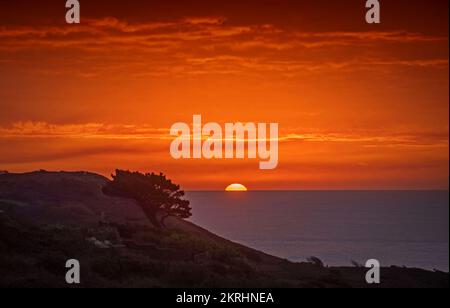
[(321, 190)]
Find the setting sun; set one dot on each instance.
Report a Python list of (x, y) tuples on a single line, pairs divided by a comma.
[(236, 187)]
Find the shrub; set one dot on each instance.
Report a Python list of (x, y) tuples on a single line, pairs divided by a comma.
[(53, 262), (316, 261)]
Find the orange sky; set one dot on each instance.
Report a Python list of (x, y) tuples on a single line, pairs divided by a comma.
[(359, 106)]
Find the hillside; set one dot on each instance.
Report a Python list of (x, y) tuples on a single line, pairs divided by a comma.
[(73, 198), (47, 218)]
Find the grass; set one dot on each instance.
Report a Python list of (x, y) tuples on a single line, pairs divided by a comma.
[(35, 256)]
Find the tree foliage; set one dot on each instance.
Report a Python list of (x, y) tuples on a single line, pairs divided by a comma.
[(158, 196)]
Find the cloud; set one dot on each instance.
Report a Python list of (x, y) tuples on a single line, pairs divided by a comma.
[(87, 131), (210, 45), (377, 139), (346, 158), (369, 138)]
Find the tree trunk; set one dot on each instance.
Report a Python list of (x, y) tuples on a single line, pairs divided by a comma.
[(154, 221), (152, 217), (164, 218)]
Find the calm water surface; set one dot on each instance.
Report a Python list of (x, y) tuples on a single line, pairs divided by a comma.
[(395, 227)]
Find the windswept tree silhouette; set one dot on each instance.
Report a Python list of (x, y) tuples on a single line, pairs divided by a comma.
[(158, 197)]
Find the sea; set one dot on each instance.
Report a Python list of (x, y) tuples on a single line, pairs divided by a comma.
[(401, 228)]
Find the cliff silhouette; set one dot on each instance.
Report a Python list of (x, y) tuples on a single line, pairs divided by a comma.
[(47, 218)]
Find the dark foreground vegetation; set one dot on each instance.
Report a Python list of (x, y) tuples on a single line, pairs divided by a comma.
[(48, 218)]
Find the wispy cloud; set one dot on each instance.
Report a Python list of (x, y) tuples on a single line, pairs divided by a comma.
[(88, 131), (141, 132), (210, 45)]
